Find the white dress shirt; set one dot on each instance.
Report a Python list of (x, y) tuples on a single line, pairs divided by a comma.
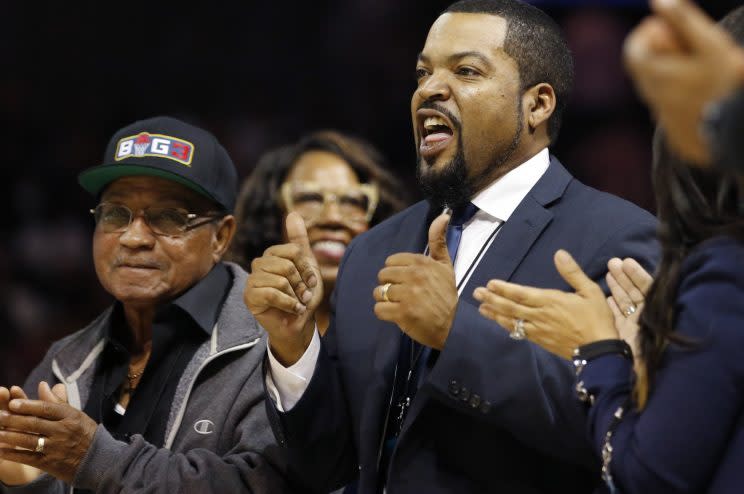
[(496, 203)]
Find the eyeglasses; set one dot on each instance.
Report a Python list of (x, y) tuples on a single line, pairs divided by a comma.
[(170, 222), (356, 204)]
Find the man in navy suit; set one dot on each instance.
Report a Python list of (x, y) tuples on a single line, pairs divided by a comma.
[(411, 388)]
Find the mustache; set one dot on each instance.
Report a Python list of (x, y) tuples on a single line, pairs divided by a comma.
[(430, 105), (136, 263)]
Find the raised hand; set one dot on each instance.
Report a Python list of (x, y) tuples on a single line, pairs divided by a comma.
[(681, 61), (418, 292), (283, 291), (557, 321)]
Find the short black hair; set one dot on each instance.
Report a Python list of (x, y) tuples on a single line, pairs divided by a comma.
[(536, 43)]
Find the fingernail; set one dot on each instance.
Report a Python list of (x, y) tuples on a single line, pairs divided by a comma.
[(312, 281), (307, 296), (300, 309), (561, 255), (478, 294)]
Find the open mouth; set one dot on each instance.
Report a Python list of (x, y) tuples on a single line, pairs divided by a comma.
[(436, 133)]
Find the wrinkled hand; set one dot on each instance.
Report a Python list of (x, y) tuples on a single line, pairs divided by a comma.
[(12, 473), (557, 321), (283, 291), (422, 296), (629, 284), (681, 61), (67, 433)]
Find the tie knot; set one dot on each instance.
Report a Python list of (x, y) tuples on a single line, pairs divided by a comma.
[(463, 214)]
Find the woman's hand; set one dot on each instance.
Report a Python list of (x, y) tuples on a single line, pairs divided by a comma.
[(629, 284), (557, 321)]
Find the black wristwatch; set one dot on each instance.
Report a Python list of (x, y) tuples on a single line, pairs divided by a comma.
[(585, 353)]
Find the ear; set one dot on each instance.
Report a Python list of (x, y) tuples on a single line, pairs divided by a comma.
[(539, 103), (222, 236)]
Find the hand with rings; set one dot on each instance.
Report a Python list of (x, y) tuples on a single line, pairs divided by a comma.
[(556, 320), (628, 283), (417, 292), (47, 434)]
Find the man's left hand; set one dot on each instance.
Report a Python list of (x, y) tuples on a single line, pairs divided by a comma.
[(422, 295), (67, 434)]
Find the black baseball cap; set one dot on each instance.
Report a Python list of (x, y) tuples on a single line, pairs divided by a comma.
[(168, 148)]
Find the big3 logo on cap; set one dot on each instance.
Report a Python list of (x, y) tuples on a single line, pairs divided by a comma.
[(156, 145)]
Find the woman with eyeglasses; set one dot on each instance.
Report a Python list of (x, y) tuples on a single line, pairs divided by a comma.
[(337, 183)]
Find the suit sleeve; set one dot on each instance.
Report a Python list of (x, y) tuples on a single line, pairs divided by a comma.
[(316, 433), (518, 385), (676, 443)]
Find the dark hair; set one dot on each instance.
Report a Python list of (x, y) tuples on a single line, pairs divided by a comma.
[(536, 43), (693, 205), (259, 212)]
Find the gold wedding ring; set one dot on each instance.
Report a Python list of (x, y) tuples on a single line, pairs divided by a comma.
[(384, 292), (40, 445)]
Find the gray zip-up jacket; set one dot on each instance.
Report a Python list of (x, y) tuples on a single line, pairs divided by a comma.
[(218, 438)]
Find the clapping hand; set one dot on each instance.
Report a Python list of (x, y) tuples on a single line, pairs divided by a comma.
[(47, 434)]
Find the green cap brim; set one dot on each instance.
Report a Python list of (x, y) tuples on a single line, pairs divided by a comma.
[(95, 179)]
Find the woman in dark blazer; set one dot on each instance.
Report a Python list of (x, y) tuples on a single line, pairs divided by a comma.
[(675, 423)]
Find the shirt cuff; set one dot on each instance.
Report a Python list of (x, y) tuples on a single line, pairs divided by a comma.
[(286, 385)]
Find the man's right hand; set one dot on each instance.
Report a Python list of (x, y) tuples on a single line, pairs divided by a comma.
[(12, 473), (283, 291)]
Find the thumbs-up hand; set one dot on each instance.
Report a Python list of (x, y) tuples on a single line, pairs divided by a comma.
[(283, 291), (418, 292), (557, 321), (681, 61)]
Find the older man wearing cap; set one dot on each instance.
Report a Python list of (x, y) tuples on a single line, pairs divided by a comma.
[(163, 392)]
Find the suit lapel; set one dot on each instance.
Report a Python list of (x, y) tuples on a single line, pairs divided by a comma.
[(510, 247), (410, 237), (520, 232)]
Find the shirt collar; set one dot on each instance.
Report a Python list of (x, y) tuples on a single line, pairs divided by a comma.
[(203, 301), (502, 197), (201, 304)]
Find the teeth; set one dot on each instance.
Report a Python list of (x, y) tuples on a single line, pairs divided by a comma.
[(330, 246), (432, 122)]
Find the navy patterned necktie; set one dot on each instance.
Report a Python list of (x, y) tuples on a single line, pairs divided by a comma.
[(460, 216)]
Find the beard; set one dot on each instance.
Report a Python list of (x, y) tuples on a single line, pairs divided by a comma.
[(452, 186)]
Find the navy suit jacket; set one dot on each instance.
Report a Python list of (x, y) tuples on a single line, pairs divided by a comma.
[(690, 435), (492, 414)]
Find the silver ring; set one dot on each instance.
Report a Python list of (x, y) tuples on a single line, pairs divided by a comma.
[(384, 292), (40, 445), (518, 333), (630, 310)]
